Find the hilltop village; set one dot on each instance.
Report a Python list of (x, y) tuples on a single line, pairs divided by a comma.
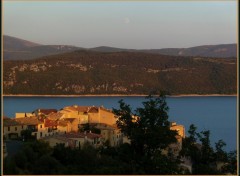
[(73, 126)]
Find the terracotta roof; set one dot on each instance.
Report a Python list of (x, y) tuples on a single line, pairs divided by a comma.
[(46, 111), (104, 109), (93, 110), (81, 108), (10, 122), (28, 120), (50, 123), (55, 116), (65, 110)]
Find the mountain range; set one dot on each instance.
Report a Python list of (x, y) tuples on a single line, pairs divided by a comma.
[(19, 49)]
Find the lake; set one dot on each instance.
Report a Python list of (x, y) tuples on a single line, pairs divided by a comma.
[(217, 114)]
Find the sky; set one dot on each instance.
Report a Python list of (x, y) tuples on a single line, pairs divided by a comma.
[(136, 25)]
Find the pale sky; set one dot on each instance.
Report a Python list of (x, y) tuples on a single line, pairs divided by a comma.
[(137, 25)]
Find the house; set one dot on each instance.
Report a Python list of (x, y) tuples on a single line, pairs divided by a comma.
[(110, 133), (176, 147), (23, 114), (78, 112), (42, 113), (54, 140), (75, 139), (12, 128), (101, 115), (63, 126), (89, 114), (84, 137), (72, 124), (179, 128), (55, 116), (52, 126), (39, 128), (78, 115)]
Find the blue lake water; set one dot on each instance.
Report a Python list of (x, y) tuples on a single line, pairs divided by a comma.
[(217, 114)]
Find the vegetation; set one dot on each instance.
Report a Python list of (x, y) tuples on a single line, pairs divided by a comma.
[(148, 153), (88, 72), (149, 132), (89, 128), (205, 159), (27, 135)]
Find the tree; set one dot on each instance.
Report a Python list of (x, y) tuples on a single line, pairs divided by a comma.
[(47, 165), (89, 127), (205, 159), (9, 166), (27, 135), (149, 132)]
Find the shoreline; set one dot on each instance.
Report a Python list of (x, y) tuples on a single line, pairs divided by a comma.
[(121, 95)]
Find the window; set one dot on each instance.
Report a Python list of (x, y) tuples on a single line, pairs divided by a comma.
[(15, 128), (40, 134), (22, 126), (8, 128), (40, 126)]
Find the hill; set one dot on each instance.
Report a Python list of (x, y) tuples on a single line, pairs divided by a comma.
[(15, 49), (220, 51), (13, 43), (89, 72)]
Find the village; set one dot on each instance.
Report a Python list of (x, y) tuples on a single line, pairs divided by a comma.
[(68, 126)]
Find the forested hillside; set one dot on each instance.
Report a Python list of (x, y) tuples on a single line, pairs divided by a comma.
[(89, 72)]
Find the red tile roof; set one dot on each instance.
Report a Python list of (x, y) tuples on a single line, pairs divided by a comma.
[(83, 109), (50, 123), (10, 122), (28, 120), (93, 110), (54, 116), (47, 111)]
